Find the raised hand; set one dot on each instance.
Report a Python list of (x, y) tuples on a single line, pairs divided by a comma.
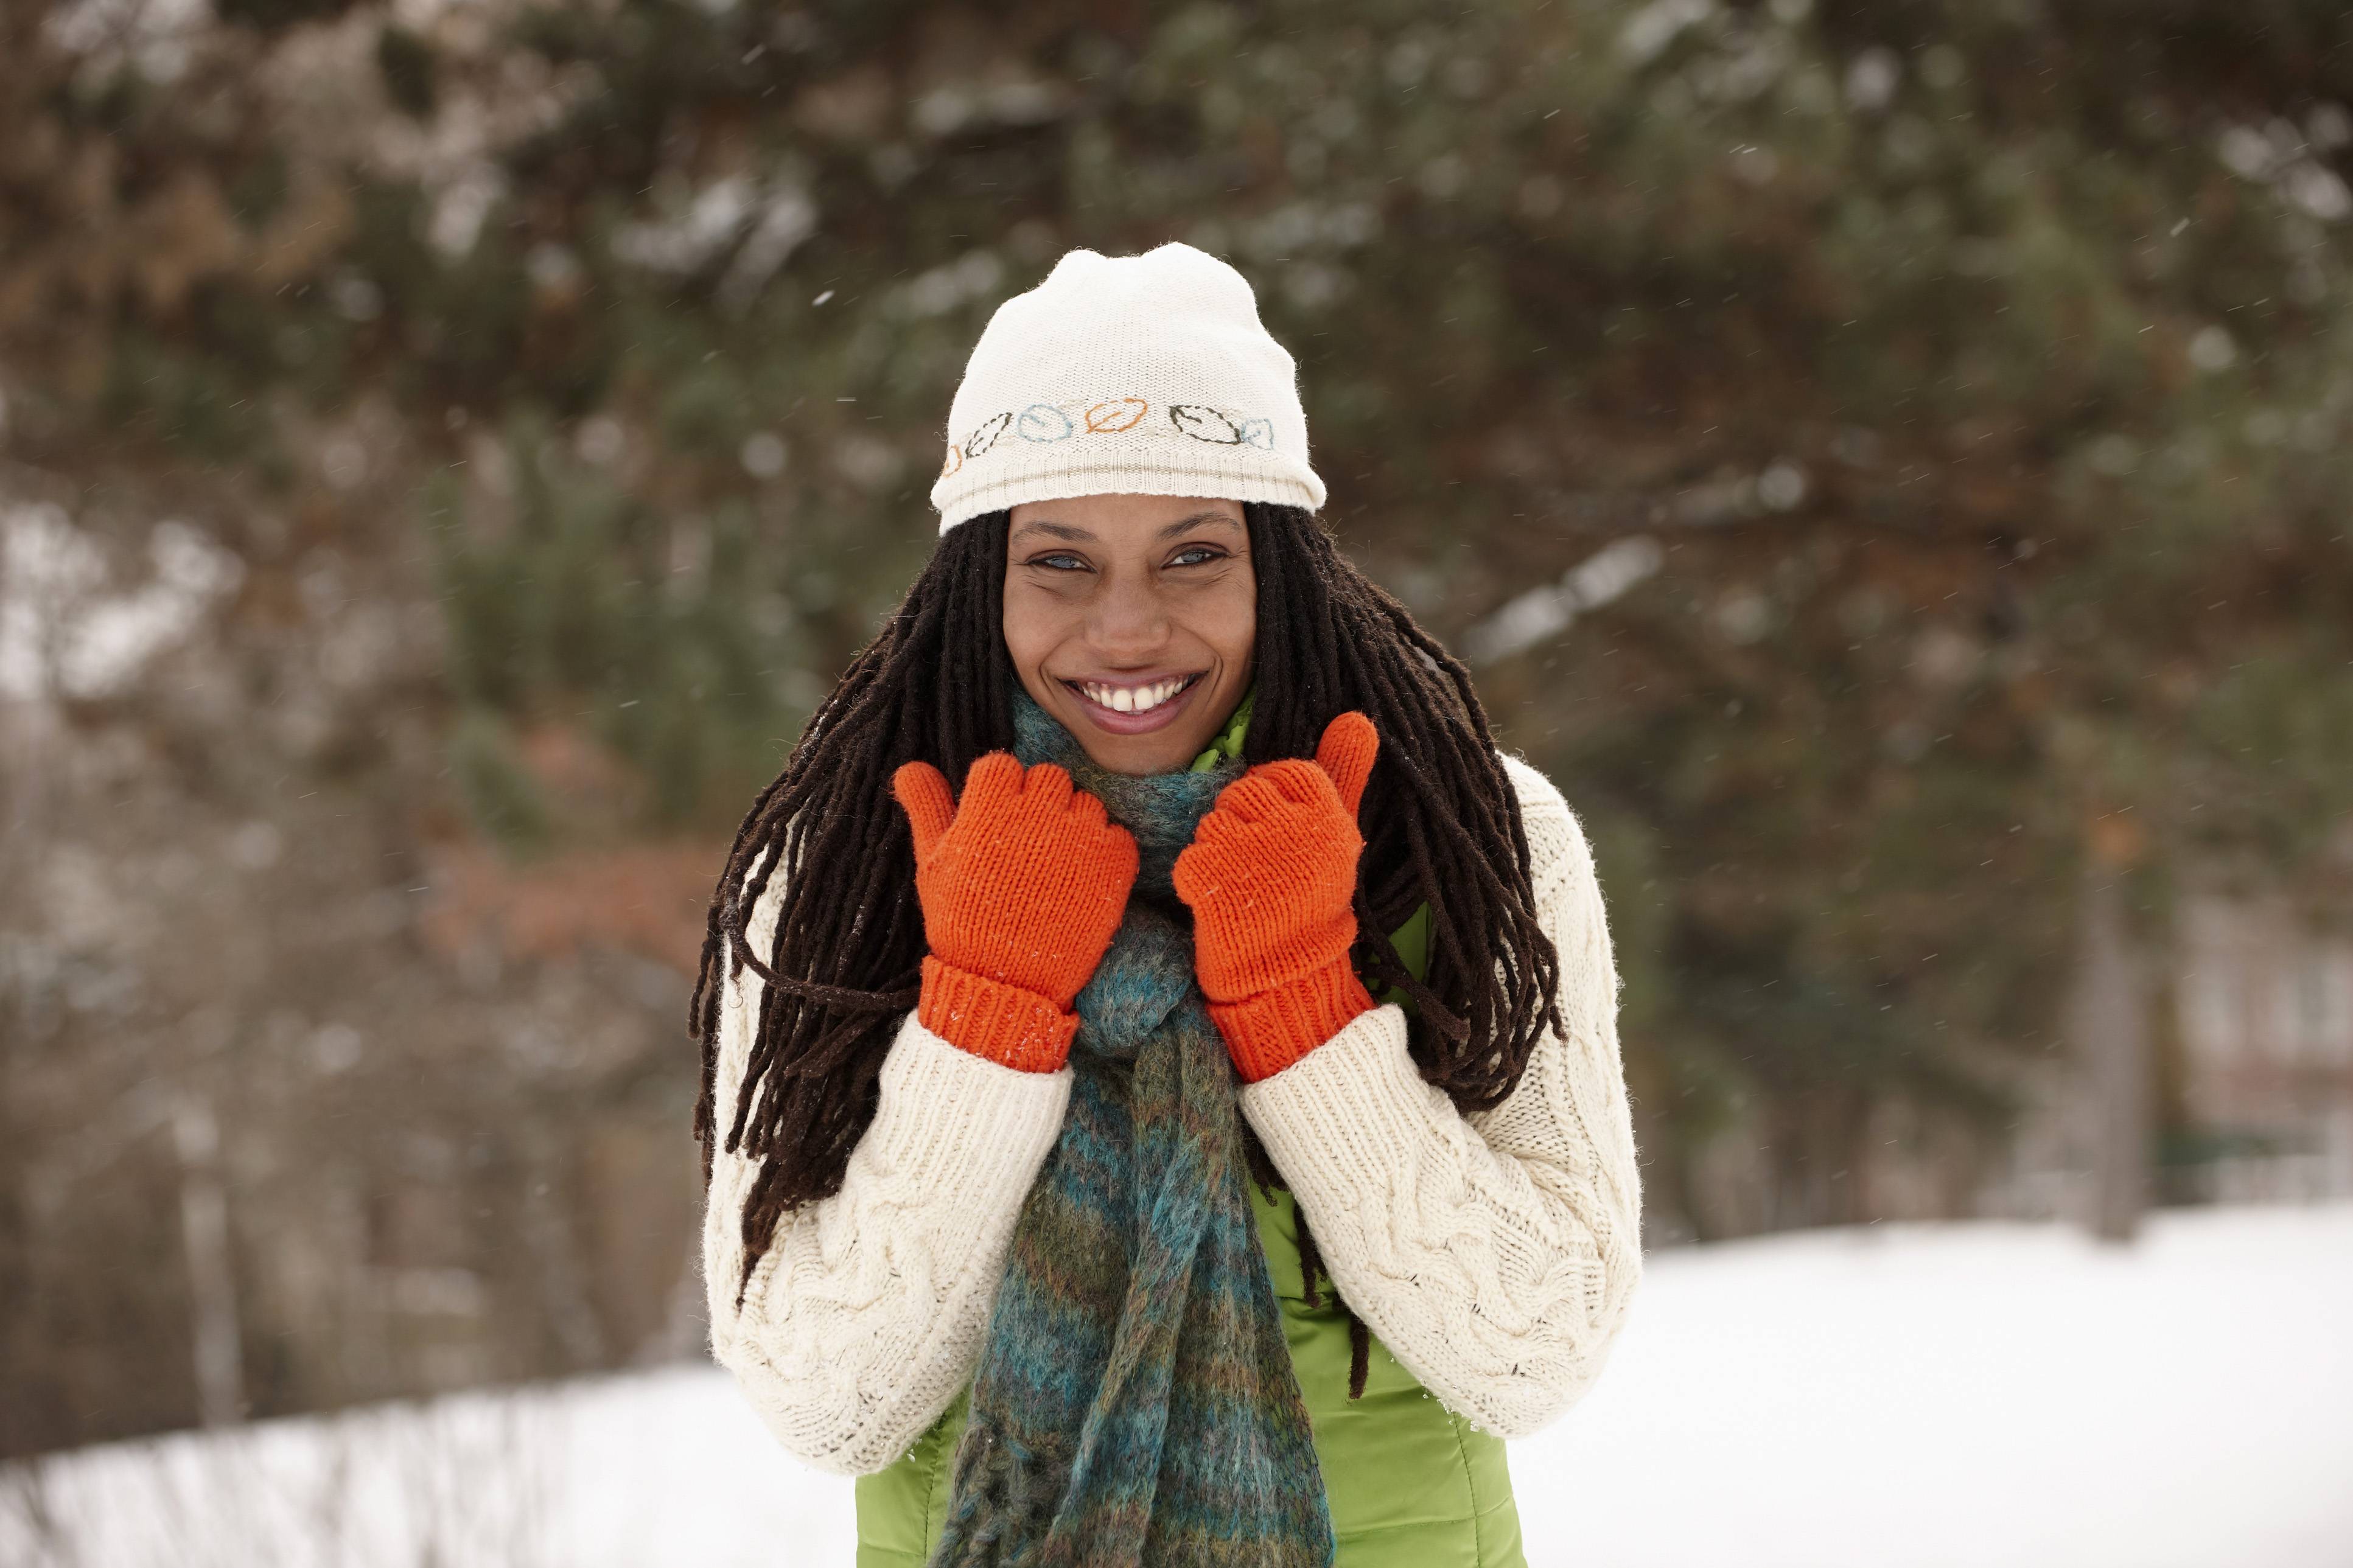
[(1022, 884), (1271, 876)]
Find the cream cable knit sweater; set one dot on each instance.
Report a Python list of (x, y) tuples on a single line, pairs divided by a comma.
[(1495, 1254)]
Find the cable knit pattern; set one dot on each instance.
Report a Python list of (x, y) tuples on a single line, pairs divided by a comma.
[(1495, 1254), (865, 1316)]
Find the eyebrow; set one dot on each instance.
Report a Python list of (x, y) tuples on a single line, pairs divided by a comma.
[(1076, 534)]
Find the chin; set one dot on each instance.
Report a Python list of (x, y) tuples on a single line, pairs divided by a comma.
[(1137, 754)]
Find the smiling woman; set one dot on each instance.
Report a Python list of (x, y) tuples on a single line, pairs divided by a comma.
[(1133, 620), (1069, 1184)]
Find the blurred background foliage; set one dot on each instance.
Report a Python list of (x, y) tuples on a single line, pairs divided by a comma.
[(1976, 372)]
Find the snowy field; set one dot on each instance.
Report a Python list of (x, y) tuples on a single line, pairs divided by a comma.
[(1965, 1394)]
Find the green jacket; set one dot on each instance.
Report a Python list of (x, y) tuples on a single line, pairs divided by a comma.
[(1410, 1485)]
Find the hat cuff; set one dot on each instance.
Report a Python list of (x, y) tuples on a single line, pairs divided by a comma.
[(961, 502)]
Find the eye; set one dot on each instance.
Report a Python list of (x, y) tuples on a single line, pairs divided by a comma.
[(1196, 555), (1058, 560)]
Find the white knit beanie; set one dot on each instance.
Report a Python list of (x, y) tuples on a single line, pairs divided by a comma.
[(1127, 375)]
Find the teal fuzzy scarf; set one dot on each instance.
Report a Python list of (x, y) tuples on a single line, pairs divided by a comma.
[(1134, 1405)]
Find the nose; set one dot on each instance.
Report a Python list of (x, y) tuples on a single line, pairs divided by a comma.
[(1129, 624)]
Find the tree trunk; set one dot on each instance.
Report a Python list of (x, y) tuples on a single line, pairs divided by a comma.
[(212, 1284), (2111, 1032)]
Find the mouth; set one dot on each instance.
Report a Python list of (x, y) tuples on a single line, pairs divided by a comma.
[(1133, 708)]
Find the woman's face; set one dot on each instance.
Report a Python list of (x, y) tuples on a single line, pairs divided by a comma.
[(1132, 620)]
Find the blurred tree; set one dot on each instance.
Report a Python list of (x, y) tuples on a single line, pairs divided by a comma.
[(1977, 371)]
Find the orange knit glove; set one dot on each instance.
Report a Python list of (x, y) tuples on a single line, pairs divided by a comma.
[(1022, 886), (1272, 878)]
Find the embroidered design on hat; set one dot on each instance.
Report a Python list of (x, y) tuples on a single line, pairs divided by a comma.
[(1114, 415), (982, 440), (1204, 423), (1043, 422)]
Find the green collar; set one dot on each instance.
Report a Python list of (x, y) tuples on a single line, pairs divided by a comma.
[(1225, 745), (1411, 939)]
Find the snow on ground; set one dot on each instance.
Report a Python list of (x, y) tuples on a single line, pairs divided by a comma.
[(1888, 1395)]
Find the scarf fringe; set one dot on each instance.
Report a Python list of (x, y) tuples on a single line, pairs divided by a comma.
[(1009, 1491)]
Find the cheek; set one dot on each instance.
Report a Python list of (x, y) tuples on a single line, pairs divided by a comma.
[(1032, 627), (1229, 621)]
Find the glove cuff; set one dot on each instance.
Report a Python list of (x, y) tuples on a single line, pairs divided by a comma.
[(1003, 1023), (1268, 1032)]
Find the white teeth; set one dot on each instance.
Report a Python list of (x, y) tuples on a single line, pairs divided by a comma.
[(1133, 699)]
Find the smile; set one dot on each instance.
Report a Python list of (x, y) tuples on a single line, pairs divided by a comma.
[(1133, 699), (1132, 710)]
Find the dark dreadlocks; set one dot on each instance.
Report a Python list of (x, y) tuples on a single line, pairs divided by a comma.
[(1441, 819)]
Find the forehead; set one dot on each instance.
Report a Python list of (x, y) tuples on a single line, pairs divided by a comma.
[(1126, 519)]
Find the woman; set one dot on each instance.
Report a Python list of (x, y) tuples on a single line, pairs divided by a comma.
[(1040, 1093)]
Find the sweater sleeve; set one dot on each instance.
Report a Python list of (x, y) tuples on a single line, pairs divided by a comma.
[(1495, 1254), (865, 1315)]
